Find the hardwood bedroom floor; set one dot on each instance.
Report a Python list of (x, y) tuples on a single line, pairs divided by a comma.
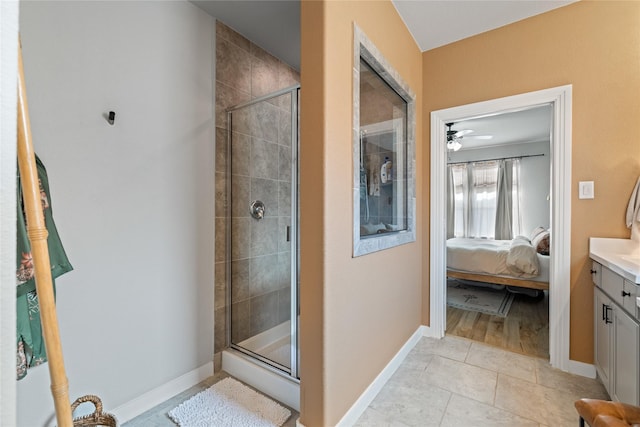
[(525, 330)]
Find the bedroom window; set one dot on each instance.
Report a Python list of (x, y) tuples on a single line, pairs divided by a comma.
[(485, 199)]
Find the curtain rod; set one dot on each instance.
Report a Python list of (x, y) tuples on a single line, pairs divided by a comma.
[(500, 158)]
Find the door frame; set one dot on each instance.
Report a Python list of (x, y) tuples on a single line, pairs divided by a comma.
[(560, 99)]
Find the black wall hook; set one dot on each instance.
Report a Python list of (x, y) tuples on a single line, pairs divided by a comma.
[(111, 118)]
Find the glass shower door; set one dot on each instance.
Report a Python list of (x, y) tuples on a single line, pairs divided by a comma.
[(262, 234)]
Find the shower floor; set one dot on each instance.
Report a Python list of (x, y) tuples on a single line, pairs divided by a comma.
[(273, 344)]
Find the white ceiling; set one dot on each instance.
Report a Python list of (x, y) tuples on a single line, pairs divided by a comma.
[(435, 23), (517, 127), (274, 25)]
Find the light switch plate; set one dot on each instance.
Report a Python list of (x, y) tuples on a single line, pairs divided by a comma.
[(586, 190)]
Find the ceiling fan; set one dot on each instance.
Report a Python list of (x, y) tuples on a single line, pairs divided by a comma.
[(454, 137)]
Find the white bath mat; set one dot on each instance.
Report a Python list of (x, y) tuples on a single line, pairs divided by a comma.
[(229, 403)]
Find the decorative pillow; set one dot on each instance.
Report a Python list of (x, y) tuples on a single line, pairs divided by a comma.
[(522, 259), (536, 231), (541, 242)]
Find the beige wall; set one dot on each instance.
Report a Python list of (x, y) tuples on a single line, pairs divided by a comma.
[(595, 46), (356, 313)]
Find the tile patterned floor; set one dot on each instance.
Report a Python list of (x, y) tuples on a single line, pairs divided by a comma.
[(454, 382), (459, 382)]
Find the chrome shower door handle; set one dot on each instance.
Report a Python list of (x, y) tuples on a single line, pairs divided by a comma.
[(257, 209)]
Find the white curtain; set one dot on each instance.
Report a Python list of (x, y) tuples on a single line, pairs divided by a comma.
[(473, 203)]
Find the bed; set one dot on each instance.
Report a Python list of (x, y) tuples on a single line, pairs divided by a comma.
[(514, 263)]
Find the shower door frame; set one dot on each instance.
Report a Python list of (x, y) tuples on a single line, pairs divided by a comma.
[(294, 237)]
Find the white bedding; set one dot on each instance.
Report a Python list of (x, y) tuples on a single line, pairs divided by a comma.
[(484, 256)]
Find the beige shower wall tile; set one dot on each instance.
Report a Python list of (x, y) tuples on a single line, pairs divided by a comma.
[(233, 66), (284, 305), (462, 411), (220, 240), (262, 54), (283, 244), (219, 329), (284, 127), (240, 196), (266, 190), (263, 275), (240, 321), (264, 234), (240, 280), (220, 295), (536, 402), (221, 150), (225, 32), (226, 97), (240, 154), (287, 76), (498, 360), (264, 77), (240, 238), (221, 195), (264, 312), (264, 159)]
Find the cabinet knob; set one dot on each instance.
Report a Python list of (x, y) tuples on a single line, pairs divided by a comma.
[(593, 271), (626, 294)]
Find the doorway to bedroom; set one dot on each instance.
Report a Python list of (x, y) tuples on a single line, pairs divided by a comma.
[(559, 191), (498, 217)]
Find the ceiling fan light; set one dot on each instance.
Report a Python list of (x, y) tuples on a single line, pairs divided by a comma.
[(454, 145)]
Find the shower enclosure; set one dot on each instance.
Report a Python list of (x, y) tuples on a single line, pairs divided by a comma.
[(262, 234)]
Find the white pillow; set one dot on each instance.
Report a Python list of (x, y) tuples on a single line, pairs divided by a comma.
[(522, 259)]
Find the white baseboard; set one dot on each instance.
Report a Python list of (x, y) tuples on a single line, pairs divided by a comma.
[(154, 397), (427, 331), (374, 388), (581, 368)]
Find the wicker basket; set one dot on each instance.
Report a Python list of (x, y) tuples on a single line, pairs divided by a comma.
[(97, 418)]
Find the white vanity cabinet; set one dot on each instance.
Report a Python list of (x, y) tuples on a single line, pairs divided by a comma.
[(617, 334)]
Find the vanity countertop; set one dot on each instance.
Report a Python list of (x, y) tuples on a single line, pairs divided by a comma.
[(619, 255)]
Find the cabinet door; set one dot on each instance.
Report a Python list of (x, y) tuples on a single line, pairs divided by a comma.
[(629, 294), (603, 316), (627, 340)]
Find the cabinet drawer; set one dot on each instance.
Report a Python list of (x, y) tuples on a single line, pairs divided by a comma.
[(596, 274), (613, 285)]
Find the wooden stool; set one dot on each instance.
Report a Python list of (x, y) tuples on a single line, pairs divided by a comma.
[(603, 413)]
